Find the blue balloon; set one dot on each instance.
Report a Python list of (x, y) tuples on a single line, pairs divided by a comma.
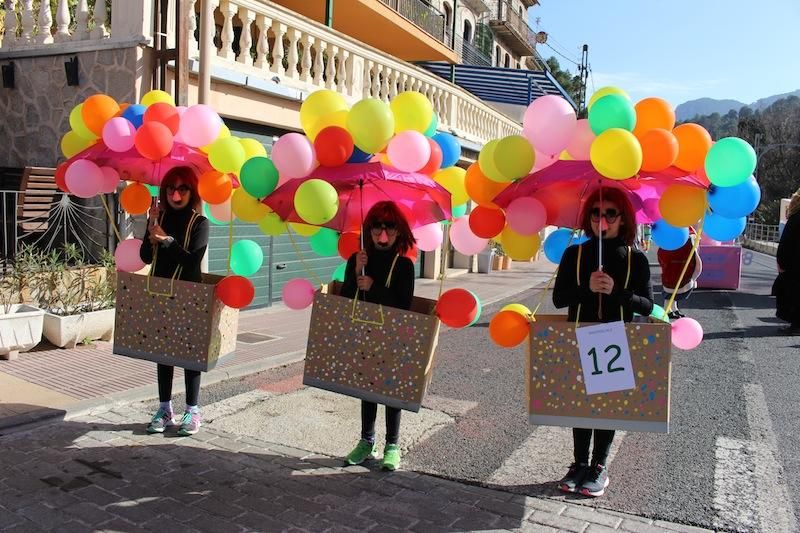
[(580, 238), (556, 243), (359, 156), (723, 229), (135, 114), (669, 237), (737, 201), (451, 149)]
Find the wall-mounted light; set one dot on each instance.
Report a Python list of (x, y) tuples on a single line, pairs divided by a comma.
[(8, 75), (71, 69)]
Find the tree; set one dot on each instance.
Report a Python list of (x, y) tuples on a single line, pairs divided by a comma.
[(571, 83)]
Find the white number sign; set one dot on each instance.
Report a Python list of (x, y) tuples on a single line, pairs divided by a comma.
[(605, 358)]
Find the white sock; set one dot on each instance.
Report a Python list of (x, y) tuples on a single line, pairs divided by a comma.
[(192, 408), (167, 406)]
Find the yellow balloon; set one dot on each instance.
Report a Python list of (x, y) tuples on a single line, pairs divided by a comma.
[(155, 96), (78, 125), (72, 143), (252, 148), (224, 133), (682, 205), (412, 111), (605, 91), (452, 179), (519, 247), (518, 308), (339, 118), (486, 163), (272, 224), (246, 207), (371, 124), (616, 154), (319, 104), (306, 230)]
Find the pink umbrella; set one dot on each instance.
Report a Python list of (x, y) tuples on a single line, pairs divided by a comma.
[(362, 185)]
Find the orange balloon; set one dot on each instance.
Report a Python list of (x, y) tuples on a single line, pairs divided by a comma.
[(480, 188), (659, 149), (486, 222), (508, 328), (135, 199), (97, 110), (694, 142), (214, 187), (682, 205), (653, 113)]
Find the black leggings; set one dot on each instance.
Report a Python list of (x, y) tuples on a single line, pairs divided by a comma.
[(602, 445), (369, 411), (191, 377)]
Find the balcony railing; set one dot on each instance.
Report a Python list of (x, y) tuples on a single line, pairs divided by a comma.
[(24, 26), (512, 27), (426, 17)]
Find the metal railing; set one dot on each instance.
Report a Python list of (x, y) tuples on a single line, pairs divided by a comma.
[(762, 232), (430, 19), (470, 53), (502, 10)]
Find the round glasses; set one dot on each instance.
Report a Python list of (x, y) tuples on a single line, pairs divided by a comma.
[(388, 227), (611, 215)]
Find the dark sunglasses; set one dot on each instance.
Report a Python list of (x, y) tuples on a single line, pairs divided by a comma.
[(378, 227), (181, 189), (610, 215)]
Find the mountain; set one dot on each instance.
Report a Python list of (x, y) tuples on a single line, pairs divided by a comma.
[(763, 103), (707, 106)]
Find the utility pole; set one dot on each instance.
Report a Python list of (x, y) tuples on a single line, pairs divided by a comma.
[(583, 71), (453, 29), (329, 13), (207, 31)]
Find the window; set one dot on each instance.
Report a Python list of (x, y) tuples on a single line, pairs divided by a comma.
[(467, 32), (448, 16), (507, 61), (498, 54)]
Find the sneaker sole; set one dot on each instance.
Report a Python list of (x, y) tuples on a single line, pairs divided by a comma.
[(348, 462), (389, 468), (596, 494), (155, 431), (566, 488)]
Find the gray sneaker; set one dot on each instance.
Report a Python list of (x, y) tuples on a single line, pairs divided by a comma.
[(190, 423), (595, 482), (161, 421), (574, 477)]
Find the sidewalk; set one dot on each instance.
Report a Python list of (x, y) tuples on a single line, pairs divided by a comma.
[(49, 382)]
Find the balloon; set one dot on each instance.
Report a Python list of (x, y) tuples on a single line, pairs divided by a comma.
[(235, 291), (316, 201), (298, 294), (333, 146), (605, 91), (305, 230), (581, 141), (214, 187), (246, 257), (252, 148), (543, 160), (338, 119), (412, 111), (152, 189), (486, 222), (667, 236), (452, 179), (723, 229), (458, 211), (72, 144), (429, 237), (78, 126), (200, 125), (371, 124), (349, 243), (730, 161), (487, 164), (221, 212), (434, 161), (61, 177), (126, 256), (514, 156), (659, 149), (164, 113), (359, 156), (226, 155), (119, 134), (272, 224), (612, 111), (97, 110), (687, 333), (325, 242), (409, 151), (509, 328), (737, 201), (246, 207), (259, 176), (652, 113), (153, 140), (526, 215), (134, 114), (457, 308), (519, 247), (481, 189), (464, 241), (451, 149), (518, 308), (293, 155), (659, 313), (84, 178), (110, 180), (431, 129), (338, 274), (135, 198), (616, 154), (155, 96), (682, 205), (694, 142), (319, 104), (556, 244), (549, 123)]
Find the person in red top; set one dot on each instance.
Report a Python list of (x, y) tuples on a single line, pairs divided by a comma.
[(672, 263)]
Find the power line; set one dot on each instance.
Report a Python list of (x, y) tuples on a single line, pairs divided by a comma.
[(562, 55)]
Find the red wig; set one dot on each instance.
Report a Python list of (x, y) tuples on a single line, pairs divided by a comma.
[(387, 212), (172, 176), (627, 229)]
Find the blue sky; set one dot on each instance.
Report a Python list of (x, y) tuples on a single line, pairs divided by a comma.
[(679, 49)]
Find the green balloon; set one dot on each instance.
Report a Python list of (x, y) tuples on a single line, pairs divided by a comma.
[(431, 131), (153, 189), (480, 309), (459, 210), (246, 257), (338, 274), (659, 313), (258, 176), (730, 162), (325, 242), (487, 164), (612, 111), (514, 156), (316, 201)]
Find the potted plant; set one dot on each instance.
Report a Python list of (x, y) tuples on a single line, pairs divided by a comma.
[(497, 257), (20, 323)]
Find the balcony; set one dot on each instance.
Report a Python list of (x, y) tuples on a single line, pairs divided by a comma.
[(478, 7), (512, 27)]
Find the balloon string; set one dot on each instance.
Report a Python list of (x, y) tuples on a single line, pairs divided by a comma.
[(300, 256), (110, 218), (695, 244), (444, 262)]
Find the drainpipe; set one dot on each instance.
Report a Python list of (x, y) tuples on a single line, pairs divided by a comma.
[(453, 29), (329, 13), (207, 31)]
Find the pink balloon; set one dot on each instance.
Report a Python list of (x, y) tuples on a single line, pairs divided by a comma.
[(127, 256), (293, 155), (221, 212), (409, 151), (429, 237), (549, 124), (180, 109), (526, 215), (543, 160), (119, 134), (84, 178), (687, 333), (581, 141), (200, 125), (464, 241), (110, 180), (298, 293)]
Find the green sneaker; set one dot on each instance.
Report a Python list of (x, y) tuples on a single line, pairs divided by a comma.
[(364, 450), (391, 457)]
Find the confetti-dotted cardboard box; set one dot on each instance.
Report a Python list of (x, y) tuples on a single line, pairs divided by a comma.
[(178, 323), (555, 383), (379, 354)]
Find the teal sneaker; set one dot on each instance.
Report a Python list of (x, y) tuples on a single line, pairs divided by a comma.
[(190, 424), (364, 450), (391, 457), (161, 421)]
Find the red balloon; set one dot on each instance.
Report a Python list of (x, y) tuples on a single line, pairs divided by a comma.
[(334, 146), (235, 291), (153, 140), (486, 222), (349, 243), (457, 308), (61, 182), (435, 161), (164, 113)]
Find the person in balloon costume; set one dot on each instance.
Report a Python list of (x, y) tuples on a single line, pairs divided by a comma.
[(674, 269), (614, 290), (381, 274), (174, 244)]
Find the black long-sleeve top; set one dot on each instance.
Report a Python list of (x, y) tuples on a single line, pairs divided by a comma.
[(789, 247), (174, 223), (400, 291), (637, 298)]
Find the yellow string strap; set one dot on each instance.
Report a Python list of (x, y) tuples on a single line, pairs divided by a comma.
[(578, 279), (110, 218), (300, 257), (695, 244)]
